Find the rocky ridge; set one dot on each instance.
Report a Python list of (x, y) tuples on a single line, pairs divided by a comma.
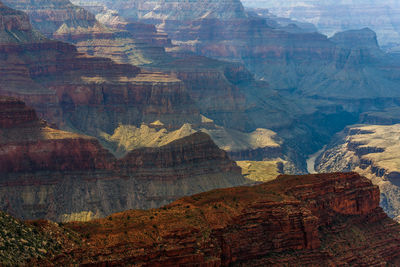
[(224, 92), (335, 16), (66, 22), (22, 243), (372, 151), (65, 86), (260, 144), (329, 219), (318, 78), (58, 175)]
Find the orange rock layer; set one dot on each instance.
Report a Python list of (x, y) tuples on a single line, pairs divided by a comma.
[(314, 220)]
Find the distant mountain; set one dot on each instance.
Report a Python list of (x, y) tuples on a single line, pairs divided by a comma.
[(333, 16)]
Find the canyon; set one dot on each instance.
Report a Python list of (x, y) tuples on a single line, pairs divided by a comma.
[(62, 176), (306, 78), (326, 219), (372, 151), (331, 17), (175, 89), (158, 133), (83, 93)]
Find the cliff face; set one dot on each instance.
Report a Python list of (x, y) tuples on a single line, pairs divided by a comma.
[(302, 61), (54, 15), (65, 86), (29, 145), (64, 21), (335, 16), (331, 219), (53, 174), (15, 26), (372, 151), (178, 10)]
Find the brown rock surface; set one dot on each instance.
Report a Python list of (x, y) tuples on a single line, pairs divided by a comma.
[(84, 93), (132, 43), (29, 145), (329, 220), (373, 151), (58, 175)]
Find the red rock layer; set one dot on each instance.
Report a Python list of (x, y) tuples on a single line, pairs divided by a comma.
[(316, 220), (13, 112), (69, 154), (29, 145), (65, 86), (48, 173)]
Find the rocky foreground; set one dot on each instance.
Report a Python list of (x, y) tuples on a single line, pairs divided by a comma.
[(317, 220)]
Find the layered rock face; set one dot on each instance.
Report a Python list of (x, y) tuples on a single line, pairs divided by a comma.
[(301, 61), (65, 86), (17, 23), (54, 15), (216, 89), (334, 16), (372, 151), (330, 220), (52, 174), (29, 145), (178, 10), (67, 22)]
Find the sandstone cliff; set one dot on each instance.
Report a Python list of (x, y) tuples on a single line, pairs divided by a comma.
[(58, 175), (70, 23), (330, 220), (84, 93), (322, 79), (372, 151)]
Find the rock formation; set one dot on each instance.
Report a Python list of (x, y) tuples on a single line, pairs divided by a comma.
[(70, 23), (53, 174), (84, 93), (260, 144), (372, 151), (335, 16), (306, 62), (330, 220), (178, 10), (225, 92)]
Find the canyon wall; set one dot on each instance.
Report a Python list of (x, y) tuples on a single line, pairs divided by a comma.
[(58, 175), (84, 93), (335, 16), (372, 151), (330, 219)]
